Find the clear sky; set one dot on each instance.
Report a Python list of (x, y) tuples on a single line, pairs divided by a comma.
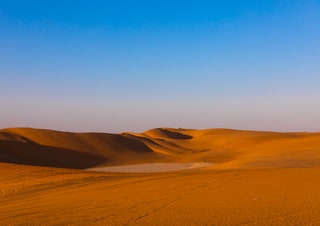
[(116, 66)]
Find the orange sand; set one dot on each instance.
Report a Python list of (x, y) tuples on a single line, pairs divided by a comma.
[(256, 178)]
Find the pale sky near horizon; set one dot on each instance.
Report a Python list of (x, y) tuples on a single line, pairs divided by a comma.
[(115, 66)]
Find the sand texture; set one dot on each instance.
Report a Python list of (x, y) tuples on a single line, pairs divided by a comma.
[(161, 177)]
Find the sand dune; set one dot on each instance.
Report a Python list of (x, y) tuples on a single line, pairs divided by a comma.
[(38, 147), (227, 149), (164, 176)]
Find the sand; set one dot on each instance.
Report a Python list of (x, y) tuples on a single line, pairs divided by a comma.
[(152, 167), (162, 177), (38, 196)]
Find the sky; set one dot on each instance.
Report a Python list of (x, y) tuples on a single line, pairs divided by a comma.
[(113, 66)]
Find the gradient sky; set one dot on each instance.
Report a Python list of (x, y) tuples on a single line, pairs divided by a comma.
[(116, 66)]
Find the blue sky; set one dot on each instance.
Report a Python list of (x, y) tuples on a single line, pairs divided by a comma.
[(132, 65)]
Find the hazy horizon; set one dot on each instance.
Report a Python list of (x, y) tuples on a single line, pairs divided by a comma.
[(133, 66)]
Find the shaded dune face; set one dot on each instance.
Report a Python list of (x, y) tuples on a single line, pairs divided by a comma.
[(69, 150), (227, 149), (40, 155), (167, 134)]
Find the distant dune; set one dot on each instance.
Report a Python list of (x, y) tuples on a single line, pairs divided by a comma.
[(216, 177), (228, 149)]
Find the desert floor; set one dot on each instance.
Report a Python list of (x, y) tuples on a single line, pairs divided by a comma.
[(49, 196)]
